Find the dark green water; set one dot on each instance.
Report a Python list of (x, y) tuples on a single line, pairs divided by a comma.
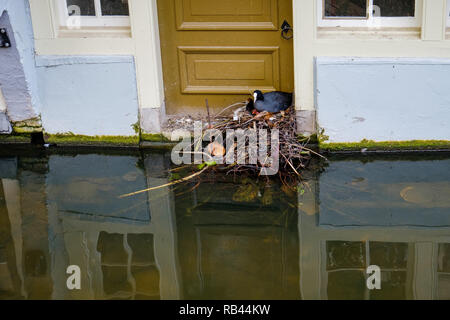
[(225, 238)]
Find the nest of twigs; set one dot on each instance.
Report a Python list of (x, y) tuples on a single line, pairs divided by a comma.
[(294, 155)]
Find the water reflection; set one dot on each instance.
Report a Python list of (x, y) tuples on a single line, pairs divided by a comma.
[(225, 239)]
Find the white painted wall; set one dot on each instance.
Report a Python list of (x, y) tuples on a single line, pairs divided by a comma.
[(2, 102), (88, 95), (428, 41), (21, 90), (141, 41), (383, 99)]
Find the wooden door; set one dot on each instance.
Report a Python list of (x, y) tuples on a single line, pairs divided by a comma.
[(223, 50)]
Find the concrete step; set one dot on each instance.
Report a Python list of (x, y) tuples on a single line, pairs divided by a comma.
[(5, 126)]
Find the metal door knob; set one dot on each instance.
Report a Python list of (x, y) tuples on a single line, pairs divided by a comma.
[(285, 30)]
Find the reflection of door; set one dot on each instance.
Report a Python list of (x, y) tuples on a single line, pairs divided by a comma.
[(243, 262), (223, 50)]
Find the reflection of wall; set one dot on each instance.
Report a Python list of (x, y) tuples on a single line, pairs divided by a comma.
[(24, 216), (385, 193), (362, 218), (120, 256), (10, 282), (36, 257), (417, 272)]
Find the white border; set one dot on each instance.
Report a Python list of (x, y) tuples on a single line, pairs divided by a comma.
[(370, 21), (91, 21), (448, 14)]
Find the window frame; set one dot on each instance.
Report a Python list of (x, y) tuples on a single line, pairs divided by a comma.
[(369, 21), (367, 260), (98, 20), (448, 14)]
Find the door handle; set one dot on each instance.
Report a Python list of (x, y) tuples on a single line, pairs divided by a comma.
[(285, 30)]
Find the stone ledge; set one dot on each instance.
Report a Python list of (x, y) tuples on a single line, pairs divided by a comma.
[(5, 126), (27, 126), (306, 122), (380, 146)]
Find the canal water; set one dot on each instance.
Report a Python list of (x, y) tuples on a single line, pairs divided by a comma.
[(226, 238)]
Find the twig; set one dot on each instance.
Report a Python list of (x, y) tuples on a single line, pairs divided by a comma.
[(165, 185), (230, 106), (290, 164), (209, 116)]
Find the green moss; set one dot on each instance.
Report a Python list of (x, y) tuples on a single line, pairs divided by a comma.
[(136, 127), (153, 137), (312, 139), (387, 145), (15, 138), (72, 139), (27, 126), (24, 130), (315, 138)]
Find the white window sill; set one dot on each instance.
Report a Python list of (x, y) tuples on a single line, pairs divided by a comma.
[(95, 32), (384, 33)]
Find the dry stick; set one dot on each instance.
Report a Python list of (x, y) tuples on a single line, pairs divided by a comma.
[(318, 154), (179, 168), (190, 190), (290, 164), (165, 185), (230, 106), (209, 116)]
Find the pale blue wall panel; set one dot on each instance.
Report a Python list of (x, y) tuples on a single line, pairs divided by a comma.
[(383, 99), (88, 95)]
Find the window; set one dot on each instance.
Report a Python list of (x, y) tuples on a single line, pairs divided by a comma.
[(448, 13), (345, 269), (94, 13), (368, 13), (443, 275)]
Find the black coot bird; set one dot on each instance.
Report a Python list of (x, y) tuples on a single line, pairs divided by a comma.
[(272, 102)]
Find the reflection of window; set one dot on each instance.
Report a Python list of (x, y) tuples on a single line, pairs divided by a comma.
[(95, 13), (346, 263), (443, 276), (368, 13), (128, 266)]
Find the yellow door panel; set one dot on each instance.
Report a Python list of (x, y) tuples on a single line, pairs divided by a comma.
[(228, 70), (222, 50), (227, 15)]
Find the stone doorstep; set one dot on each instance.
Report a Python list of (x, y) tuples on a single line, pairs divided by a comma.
[(5, 126), (27, 126)]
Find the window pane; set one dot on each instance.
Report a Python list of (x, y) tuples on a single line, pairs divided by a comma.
[(114, 7), (444, 287), (394, 8), (444, 257), (346, 285), (345, 8), (393, 286), (345, 254), (389, 255), (83, 7)]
